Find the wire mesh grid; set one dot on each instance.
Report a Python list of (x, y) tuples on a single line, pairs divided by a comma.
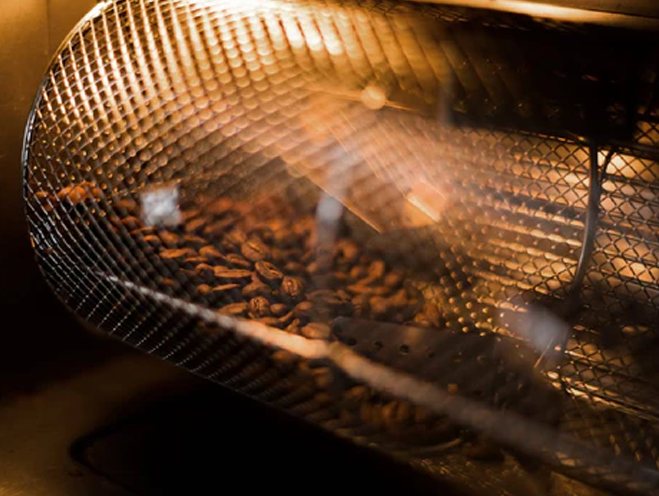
[(305, 174)]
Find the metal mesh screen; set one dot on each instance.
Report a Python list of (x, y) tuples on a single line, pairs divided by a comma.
[(431, 230)]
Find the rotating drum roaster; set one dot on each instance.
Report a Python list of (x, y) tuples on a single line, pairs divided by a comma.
[(430, 229)]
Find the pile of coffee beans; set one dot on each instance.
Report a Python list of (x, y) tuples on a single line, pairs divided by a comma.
[(264, 261)]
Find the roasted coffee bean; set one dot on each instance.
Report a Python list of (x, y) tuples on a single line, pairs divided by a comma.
[(379, 307), (204, 289), (323, 377), (194, 241), (259, 306), (396, 414), (279, 309), (144, 231), (219, 206), (237, 261), (292, 288), (226, 290), (255, 289), (169, 238), (177, 254), (316, 330), (303, 309), (195, 225), (376, 271), (204, 270), (285, 358), (254, 250), (192, 262), (268, 272), (393, 279), (432, 314), (234, 239), (226, 274), (356, 395), (236, 309), (361, 305), (152, 240), (80, 193), (347, 251), (126, 206), (295, 268), (218, 228), (358, 272), (286, 319), (131, 223), (284, 237), (210, 252), (263, 232)]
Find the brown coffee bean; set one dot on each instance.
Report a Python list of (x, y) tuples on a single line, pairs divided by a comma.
[(285, 358), (144, 231), (192, 262), (396, 414), (238, 262), (259, 306), (295, 268), (254, 250), (190, 214), (131, 223), (210, 252), (195, 225), (279, 309), (316, 330), (379, 307), (347, 251), (268, 272), (225, 289), (323, 377), (376, 272), (234, 239), (194, 240), (284, 237), (204, 270), (287, 318), (303, 309), (80, 193), (204, 289), (358, 272), (361, 306), (255, 289), (393, 279), (219, 206), (292, 288), (126, 206), (152, 240), (235, 309), (169, 238), (177, 254), (432, 314), (226, 274), (218, 228)]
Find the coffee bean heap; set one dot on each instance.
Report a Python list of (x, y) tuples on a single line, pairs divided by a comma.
[(263, 261)]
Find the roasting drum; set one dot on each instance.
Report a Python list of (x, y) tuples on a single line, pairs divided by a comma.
[(430, 229)]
